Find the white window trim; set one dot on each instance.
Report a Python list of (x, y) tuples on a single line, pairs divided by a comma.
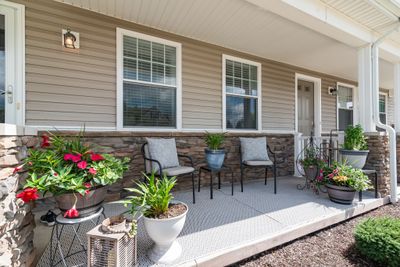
[(317, 102), (386, 105), (355, 103), (19, 70), (259, 95), (120, 70)]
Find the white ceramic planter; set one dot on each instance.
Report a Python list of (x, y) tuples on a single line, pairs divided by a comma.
[(354, 158), (164, 233)]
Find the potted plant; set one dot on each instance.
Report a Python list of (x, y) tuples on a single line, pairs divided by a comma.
[(355, 149), (311, 163), (215, 155), (75, 175), (342, 182), (163, 218)]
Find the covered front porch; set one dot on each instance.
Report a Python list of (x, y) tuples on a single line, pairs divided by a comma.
[(227, 229)]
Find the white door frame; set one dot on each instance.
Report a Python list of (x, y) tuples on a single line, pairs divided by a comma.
[(356, 107), (317, 102), (15, 45)]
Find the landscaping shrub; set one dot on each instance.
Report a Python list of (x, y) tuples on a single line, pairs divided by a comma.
[(379, 240)]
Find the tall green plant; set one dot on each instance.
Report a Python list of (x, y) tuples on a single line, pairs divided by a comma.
[(214, 141), (152, 198), (354, 138)]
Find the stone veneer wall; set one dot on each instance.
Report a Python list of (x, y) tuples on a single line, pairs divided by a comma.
[(129, 144), (378, 159), (16, 219)]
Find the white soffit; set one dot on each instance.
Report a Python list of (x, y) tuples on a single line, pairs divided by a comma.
[(252, 26)]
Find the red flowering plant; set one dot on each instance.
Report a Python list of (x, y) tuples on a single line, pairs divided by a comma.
[(67, 165)]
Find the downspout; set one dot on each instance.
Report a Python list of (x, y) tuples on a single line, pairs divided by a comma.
[(376, 118)]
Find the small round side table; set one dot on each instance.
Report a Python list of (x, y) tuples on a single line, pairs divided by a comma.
[(59, 235)]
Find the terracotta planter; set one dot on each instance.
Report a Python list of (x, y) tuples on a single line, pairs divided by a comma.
[(86, 205), (340, 194), (311, 172), (164, 233)]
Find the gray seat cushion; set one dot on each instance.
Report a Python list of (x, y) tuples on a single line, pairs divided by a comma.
[(254, 149), (258, 162), (164, 151), (174, 171)]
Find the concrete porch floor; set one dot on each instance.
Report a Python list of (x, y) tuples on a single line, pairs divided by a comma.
[(229, 228)]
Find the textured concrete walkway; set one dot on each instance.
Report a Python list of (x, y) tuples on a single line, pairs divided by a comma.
[(229, 228)]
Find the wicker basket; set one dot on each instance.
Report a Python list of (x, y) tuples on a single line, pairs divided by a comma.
[(111, 250)]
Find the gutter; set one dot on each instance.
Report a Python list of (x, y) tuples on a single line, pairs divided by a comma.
[(375, 112)]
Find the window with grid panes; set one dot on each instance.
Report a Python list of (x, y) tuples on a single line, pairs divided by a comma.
[(242, 99), (345, 106), (149, 83)]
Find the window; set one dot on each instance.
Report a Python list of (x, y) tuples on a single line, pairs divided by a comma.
[(242, 83), (382, 108), (345, 106), (149, 81)]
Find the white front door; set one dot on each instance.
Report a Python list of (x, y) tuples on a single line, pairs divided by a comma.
[(7, 65), (305, 112)]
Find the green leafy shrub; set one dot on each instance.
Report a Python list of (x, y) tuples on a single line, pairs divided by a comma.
[(379, 240), (354, 138), (152, 198), (214, 141)]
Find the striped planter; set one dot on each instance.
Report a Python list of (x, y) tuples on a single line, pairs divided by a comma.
[(341, 194)]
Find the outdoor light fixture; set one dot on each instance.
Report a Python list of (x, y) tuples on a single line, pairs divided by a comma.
[(332, 90), (70, 40)]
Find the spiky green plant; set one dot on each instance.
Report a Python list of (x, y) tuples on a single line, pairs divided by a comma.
[(152, 198), (214, 141)]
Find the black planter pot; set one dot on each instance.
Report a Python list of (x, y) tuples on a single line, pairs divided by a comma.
[(341, 194), (86, 205), (215, 158)]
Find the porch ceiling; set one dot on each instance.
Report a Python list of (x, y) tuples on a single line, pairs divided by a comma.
[(245, 27)]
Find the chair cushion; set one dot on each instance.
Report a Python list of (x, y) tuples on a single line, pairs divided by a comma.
[(174, 171), (258, 162), (164, 151), (254, 149)]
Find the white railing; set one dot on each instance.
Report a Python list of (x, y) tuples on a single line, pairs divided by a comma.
[(328, 145)]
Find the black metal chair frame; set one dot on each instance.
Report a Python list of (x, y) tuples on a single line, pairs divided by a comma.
[(160, 170), (273, 167)]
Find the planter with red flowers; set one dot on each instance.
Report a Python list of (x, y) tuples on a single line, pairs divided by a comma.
[(75, 175)]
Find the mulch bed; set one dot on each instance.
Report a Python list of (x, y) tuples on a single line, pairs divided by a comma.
[(333, 246)]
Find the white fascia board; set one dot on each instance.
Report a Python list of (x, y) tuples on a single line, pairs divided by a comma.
[(321, 18)]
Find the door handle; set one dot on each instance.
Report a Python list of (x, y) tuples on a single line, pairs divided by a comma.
[(8, 93)]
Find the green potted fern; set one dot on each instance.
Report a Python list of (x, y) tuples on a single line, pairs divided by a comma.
[(355, 149), (215, 154)]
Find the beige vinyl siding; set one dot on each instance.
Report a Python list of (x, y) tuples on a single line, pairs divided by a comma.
[(72, 89)]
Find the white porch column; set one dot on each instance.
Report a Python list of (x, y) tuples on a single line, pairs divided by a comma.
[(397, 96), (365, 89)]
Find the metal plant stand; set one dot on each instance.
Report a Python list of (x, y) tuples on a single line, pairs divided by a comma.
[(309, 181), (218, 172), (57, 235)]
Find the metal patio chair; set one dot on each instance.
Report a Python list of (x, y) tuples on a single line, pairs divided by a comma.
[(262, 160), (156, 163)]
